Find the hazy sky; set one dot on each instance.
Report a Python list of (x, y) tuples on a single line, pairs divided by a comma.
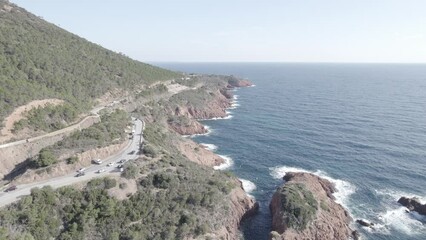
[(247, 30)]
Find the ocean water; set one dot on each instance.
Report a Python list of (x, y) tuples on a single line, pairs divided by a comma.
[(363, 126)]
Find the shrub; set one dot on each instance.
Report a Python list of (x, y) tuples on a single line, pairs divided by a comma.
[(110, 183), (72, 160), (45, 158), (149, 151), (298, 205), (130, 171)]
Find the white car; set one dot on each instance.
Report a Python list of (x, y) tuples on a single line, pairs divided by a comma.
[(97, 161), (110, 164), (81, 170), (100, 170)]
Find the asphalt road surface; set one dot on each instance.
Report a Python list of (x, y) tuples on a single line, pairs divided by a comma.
[(130, 152)]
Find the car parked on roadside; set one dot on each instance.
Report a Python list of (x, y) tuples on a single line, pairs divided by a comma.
[(110, 164), (100, 170), (80, 174)]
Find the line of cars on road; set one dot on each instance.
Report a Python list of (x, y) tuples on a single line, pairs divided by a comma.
[(82, 171)]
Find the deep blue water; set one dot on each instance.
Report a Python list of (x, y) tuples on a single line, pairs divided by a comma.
[(363, 125)]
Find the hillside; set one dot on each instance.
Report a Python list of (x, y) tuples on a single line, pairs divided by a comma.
[(168, 191), (39, 60)]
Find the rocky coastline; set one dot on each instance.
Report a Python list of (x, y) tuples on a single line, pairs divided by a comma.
[(305, 208), (241, 205), (220, 100)]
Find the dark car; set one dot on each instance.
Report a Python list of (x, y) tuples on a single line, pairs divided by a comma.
[(80, 174), (11, 188)]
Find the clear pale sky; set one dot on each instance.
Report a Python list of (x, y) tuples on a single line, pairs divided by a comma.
[(247, 30)]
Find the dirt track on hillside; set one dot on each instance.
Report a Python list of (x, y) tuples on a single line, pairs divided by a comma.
[(19, 113)]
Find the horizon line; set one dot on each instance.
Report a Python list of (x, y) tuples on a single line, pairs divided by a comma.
[(287, 62)]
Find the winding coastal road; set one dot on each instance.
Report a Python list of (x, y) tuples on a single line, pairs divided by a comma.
[(130, 152)]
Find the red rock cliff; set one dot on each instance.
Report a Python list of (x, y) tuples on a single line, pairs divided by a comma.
[(321, 217)]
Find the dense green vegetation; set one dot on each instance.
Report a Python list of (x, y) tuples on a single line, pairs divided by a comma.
[(40, 60), (48, 118), (175, 198), (298, 205), (196, 98), (109, 130), (152, 91), (172, 203), (45, 158)]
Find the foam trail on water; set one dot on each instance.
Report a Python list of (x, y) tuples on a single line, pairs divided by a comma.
[(396, 216), (209, 131), (228, 116), (234, 105), (344, 189), (395, 195), (248, 186), (209, 146), (227, 164)]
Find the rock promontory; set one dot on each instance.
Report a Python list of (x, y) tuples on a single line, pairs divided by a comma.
[(305, 208), (413, 204)]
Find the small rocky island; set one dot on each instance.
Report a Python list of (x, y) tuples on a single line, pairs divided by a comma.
[(304, 208), (413, 204)]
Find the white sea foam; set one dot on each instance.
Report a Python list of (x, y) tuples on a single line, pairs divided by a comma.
[(209, 131), (248, 186), (394, 195), (344, 189), (396, 216), (234, 105), (209, 146), (235, 97), (228, 116), (227, 164)]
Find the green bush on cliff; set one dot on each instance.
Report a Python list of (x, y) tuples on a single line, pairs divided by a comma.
[(298, 205), (45, 158)]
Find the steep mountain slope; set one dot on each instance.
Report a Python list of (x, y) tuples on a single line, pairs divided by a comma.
[(40, 60)]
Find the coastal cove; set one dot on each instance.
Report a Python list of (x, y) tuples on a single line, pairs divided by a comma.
[(361, 126)]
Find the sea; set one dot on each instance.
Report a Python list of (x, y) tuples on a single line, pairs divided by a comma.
[(362, 126)]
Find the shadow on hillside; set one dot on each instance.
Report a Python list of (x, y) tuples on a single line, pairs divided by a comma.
[(19, 169)]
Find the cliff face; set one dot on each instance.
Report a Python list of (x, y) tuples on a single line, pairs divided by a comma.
[(241, 207), (184, 121), (304, 208), (208, 105), (191, 127)]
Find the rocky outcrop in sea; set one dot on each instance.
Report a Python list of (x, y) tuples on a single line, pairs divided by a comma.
[(305, 208), (413, 204)]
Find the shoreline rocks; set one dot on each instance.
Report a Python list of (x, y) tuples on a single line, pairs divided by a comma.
[(185, 118), (413, 204), (304, 208), (364, 223), (184, 121)]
